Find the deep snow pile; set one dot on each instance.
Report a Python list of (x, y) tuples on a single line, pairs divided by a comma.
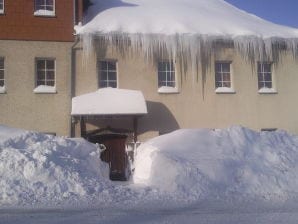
[(234, 163), (39, 168)]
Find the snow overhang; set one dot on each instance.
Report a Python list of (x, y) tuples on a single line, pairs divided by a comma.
[(110, 102)]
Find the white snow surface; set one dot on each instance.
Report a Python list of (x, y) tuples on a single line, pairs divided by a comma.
[(110, 101), (45, 89), (212, 17), (41, 169), (221, 164), (186, 166)]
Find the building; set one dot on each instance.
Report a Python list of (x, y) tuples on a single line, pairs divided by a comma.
[(199, 64), (36, 39), (231, 69)]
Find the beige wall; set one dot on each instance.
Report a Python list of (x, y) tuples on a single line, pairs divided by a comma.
[(194, 107), (22, 108)]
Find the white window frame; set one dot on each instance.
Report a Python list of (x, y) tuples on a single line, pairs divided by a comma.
[(44, 11), (221, 84), (169, 85), (108, 81), (44, 88), (2, 87), (2, 9), (265, 86)]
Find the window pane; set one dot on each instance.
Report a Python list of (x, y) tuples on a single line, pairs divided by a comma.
[(266, 67), (267, 77), (226, 84), (161, 66), (1, 74), (41, 75), (268, 84), (1, 63), (103, 65), (226, 77), (40, 64), (103, 75), (112, 65), (225, 67), (39, 4), (1, 82), (103, 84), (50, 64), (112, 76), (51, 75), (218, 84), (217, 67), (113, 84), (162, 76)]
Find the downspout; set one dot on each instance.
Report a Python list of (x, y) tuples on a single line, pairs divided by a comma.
[(72, 83), (73, 71)]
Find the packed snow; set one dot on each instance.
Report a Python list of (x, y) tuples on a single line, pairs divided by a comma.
[(186, 31), (221, 164), (110, 101), (216, 176)]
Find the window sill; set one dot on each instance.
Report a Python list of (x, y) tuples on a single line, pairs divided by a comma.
[(225, 90), (45, 13), (167, 89), (2, 90), (1, 12), (267, 91), (45, 89)]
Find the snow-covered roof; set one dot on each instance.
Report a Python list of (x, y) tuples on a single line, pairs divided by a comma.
[(202, 17), (110, 101)]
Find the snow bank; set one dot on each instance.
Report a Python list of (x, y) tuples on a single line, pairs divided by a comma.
[(43, 169), (221, 164)]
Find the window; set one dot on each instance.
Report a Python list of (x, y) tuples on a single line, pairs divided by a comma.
[(1, 6), (2, 80), (108, 74), (44, 8), (265, 83), (223, 81), (166, 76), (45, 75)]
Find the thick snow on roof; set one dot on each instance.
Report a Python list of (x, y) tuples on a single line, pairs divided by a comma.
[(110, 101), (203, 17)]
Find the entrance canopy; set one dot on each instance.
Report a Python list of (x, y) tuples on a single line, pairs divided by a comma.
[(109, 101)]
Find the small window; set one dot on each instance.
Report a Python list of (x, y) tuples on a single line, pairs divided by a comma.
[(223, 82), (45, 75), (107, 74), (222, 74), (166, 74), (1, 6), (265, 76), (44, 8)]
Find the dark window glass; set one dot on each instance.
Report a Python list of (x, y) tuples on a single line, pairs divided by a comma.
[(222, 74), (107, 74), (166, 74), (264, 75), (45, 72)]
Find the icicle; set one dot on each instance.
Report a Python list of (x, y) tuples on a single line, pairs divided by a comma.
[(191, 52)]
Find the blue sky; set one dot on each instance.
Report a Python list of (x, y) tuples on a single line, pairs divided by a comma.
[(284, 12)]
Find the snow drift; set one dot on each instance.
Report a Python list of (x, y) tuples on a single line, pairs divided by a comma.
[(234, 163), (39, 168)]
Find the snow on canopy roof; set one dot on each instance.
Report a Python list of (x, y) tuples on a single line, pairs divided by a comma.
[(202, 17), (110, 101)]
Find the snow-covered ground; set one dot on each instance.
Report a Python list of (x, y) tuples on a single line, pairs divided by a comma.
[(232, 175)]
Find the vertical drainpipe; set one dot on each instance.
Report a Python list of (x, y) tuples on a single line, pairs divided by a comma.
[(73, 70)]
